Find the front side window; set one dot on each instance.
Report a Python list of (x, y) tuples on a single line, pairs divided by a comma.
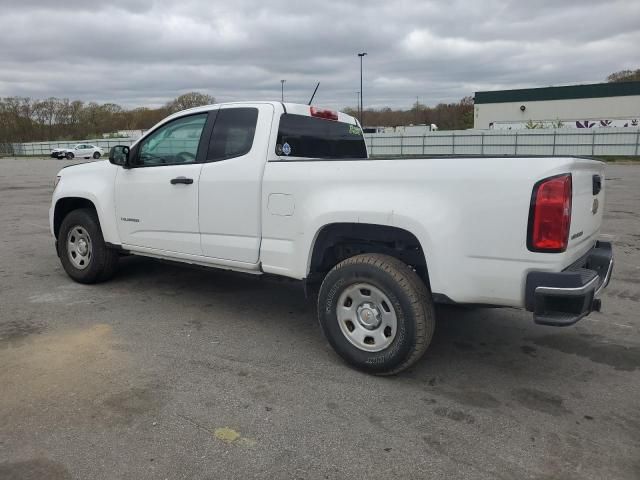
[(311, 137), (233, 133), (173, 143)]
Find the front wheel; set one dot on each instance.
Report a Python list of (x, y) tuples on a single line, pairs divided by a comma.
[(376, 313), (82, 250), (96, 155), (69, 156)]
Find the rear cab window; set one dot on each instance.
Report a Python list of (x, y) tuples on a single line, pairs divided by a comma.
[(311, 137)]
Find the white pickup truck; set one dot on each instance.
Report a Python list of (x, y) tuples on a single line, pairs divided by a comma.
[(287, 189)]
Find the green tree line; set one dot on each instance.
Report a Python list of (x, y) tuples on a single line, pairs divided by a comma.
[(30, 120), (447, 116)]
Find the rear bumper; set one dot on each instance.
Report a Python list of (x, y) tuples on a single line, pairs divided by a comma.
[(563, 298)]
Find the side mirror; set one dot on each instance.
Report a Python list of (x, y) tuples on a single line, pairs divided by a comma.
[(119, 155)]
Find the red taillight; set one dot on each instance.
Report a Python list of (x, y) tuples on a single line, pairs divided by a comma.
[(326, 114), (550, 215)]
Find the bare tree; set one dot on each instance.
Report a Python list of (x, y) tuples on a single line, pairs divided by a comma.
[(26, 120), (189, 100), (624, 76)]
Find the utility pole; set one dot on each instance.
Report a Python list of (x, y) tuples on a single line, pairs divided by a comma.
[(282, 89), (361, 55)]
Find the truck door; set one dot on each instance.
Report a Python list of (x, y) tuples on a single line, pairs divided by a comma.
[(231, 183), (157, 198)]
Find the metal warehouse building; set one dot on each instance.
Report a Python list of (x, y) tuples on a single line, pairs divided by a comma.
[(576, 106)]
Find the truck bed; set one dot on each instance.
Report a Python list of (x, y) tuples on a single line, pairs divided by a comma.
[(470, 215)]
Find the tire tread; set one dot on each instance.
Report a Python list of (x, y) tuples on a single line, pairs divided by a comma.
[(106, 258), (415, 289)]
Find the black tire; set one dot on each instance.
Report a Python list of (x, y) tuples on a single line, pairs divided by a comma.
[(96, 155), (407, 293), (103, 261), (69, 155)]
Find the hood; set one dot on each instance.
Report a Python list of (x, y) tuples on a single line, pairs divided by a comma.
[(85, 167)]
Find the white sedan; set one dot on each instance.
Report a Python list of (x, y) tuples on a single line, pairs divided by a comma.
[(81, 150)]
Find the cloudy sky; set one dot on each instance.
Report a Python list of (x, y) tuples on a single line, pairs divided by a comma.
[(135, 52)]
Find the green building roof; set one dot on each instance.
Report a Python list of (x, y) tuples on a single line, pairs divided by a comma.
[(594, 90)]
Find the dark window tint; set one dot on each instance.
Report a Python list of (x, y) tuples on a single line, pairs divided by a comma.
[(309, 137), (233, 133)]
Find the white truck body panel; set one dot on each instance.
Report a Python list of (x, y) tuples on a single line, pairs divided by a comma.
[(170, 212), (230, 193), (469, 214)]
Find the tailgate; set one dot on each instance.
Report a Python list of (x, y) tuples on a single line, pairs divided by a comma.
[(587, 202)]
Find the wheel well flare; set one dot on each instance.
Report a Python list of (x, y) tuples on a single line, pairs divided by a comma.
[(338, 241), (66, 205)]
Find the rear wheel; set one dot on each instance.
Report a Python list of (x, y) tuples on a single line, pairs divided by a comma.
[(69, 155), (82, 250), (376, 313), (96, 155)]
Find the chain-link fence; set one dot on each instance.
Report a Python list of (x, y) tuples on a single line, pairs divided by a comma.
[(596, 142), (44, 148), (6, 149)]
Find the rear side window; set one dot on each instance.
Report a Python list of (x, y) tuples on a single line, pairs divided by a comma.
[(233, 133), (310, 137)]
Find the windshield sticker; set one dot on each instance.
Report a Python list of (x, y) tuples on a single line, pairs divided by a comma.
[(286, 149), (354, 130)]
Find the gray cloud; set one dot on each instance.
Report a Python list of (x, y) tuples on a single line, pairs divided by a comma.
[(146, 52)]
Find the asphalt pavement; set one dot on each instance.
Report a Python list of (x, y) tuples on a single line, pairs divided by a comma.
[(182, 373)]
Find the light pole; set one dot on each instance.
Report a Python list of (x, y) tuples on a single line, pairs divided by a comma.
[(282, 88), (358, 102), (361, 55)]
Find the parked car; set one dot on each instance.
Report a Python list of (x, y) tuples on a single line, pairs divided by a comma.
[(81, 150), (286, 189)]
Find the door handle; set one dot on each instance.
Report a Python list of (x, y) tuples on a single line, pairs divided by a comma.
[(184, 180)]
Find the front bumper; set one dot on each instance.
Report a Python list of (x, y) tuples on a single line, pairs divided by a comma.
[(563, 298)]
